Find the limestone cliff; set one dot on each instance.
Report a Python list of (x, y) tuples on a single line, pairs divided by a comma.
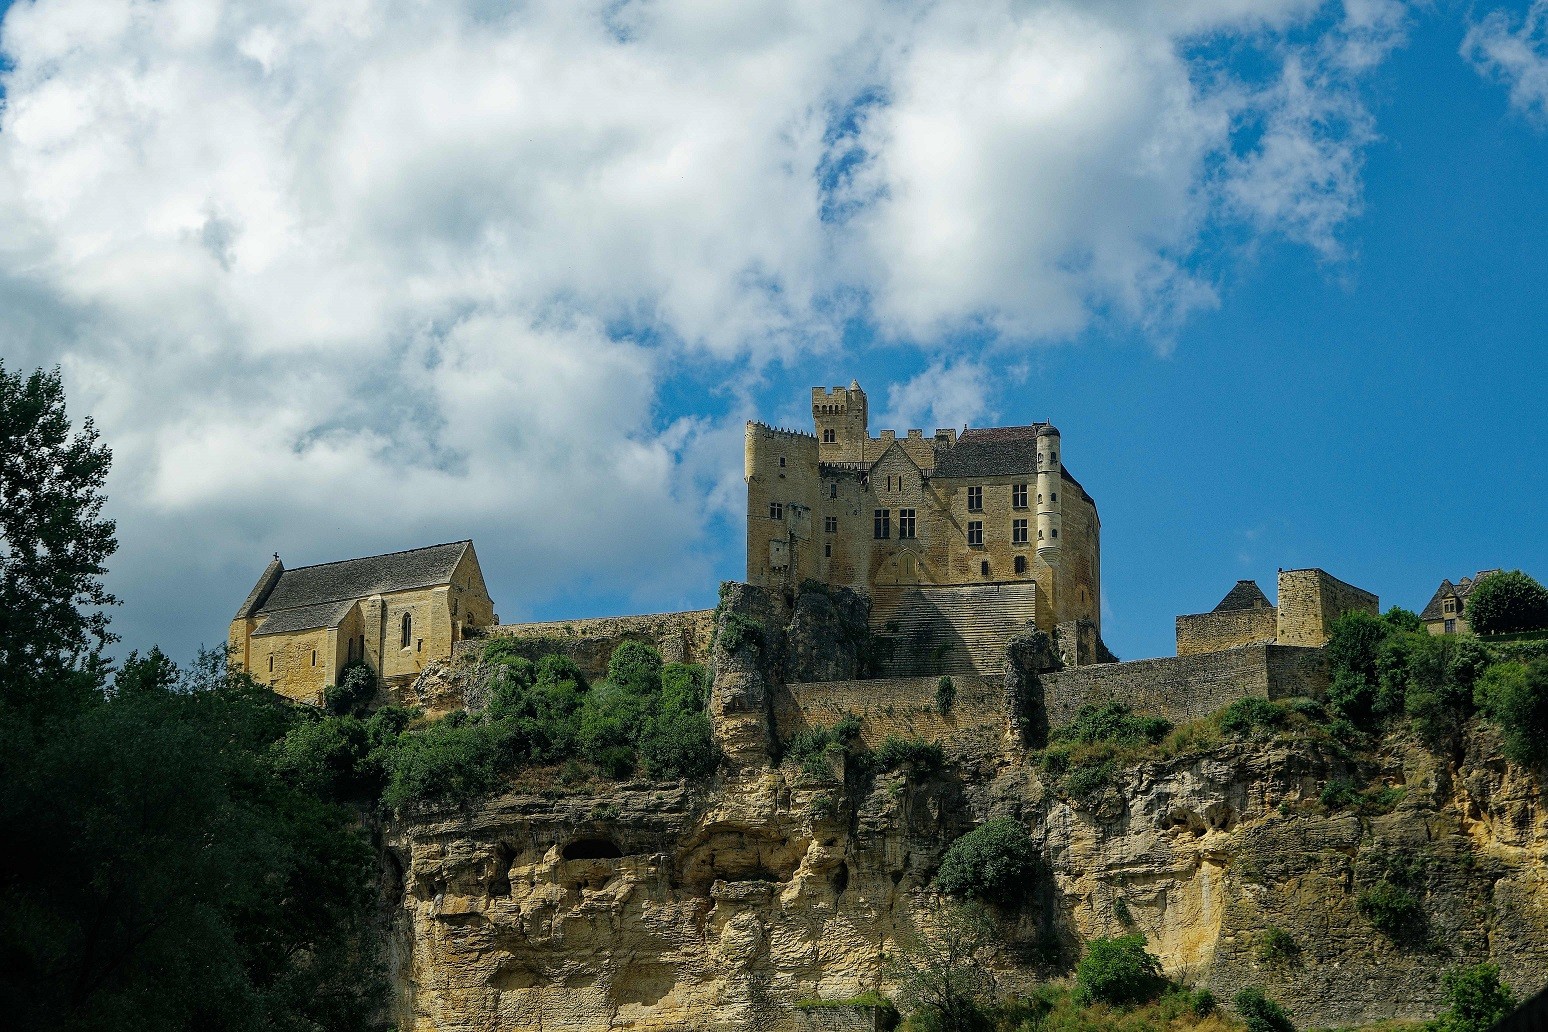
[(719, 906)]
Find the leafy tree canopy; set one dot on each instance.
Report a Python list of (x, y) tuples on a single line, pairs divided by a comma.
[(1507, 602)]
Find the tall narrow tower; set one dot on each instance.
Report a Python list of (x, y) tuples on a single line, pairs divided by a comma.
[(1049, 510), (843, 425)]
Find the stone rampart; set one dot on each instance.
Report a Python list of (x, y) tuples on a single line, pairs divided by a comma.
[(839, 1018), (1183, 688), (1229, 629), (680, 637), (902, 706)]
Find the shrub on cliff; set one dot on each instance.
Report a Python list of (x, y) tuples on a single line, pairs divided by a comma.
[(1113, 723), (1477, 1000), (1515, 696), (1507, 602), (1259, 1013), (353, 693), (1119, 972), (994, 863), (914, 756), (1251, 715)]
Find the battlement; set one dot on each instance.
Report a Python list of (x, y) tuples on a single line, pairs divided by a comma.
[(780, 431)]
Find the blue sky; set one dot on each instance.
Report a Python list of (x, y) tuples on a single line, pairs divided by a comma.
[(1277, 277)]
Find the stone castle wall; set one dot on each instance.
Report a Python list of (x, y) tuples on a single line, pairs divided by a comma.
[(1184, 688), (903, 706), (1211, 632), (1310, 600), (680, 637)]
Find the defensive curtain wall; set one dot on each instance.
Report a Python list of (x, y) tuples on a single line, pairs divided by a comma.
[(679, 637)]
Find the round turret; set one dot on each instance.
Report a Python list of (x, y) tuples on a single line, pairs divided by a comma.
[(1049, 483)]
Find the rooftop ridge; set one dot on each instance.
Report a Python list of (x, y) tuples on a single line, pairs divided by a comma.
[(379, 555)]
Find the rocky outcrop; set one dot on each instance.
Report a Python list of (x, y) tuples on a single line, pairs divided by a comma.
[(721, 905)]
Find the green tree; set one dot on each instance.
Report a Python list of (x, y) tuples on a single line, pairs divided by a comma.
[(1405, 620), (943, 974), (1515, 696), (1354, 644), (1506, 602), (54, 544), (994, 863), (1118, 971), (1477, 998), (945, 695)]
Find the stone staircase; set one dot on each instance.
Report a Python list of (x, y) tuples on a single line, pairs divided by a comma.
[(950, 629)]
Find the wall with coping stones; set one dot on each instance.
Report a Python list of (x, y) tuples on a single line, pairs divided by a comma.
[(1211, 632), (1183, 688), (680, 637), (903, 706)]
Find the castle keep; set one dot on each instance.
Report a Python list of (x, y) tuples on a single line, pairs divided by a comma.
[(959, 541)]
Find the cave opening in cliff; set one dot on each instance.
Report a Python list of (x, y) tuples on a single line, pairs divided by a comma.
[(591, 849)]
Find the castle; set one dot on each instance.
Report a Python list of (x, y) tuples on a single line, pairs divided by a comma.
[(963, 537)]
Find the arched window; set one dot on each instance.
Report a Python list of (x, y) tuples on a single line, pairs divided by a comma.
[(408, 629)]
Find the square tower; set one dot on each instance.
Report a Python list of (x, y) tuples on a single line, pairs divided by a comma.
[(843, 424)]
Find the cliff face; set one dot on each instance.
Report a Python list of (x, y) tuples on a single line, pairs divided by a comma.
[(719, 906)]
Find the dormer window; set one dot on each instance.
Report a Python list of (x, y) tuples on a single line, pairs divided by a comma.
[(1450, 605)]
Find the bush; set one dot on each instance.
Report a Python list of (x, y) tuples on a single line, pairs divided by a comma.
[(1246, 716), (915, 756), (738, 633), (945, 695), (1405, 620), (1277, 946), (635, 667), (353, 693), (1118, 971), (1515, 696), (1504, 603), (1113, 723), (1354, 640), (678, 744), (995, 863), (1393, 910), (1478, 999), (1261, 1014)]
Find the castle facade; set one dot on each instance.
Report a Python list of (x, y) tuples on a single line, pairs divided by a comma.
[(990, 518)]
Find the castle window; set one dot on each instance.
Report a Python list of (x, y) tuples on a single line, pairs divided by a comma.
[(1451, 627), (1450, 606), (1040, 498), (906, 523), (271, 662), (1053, 496), (975, 499), (1056, 532), (883, 527), (408, 629), (983, 568), (781, 462), (314, 657), (830, 524), (1039, 458), (1053, 456), (1040, 534), (833, 489), (975, 532), (1018, 532), (1019, 496), (829, 436), (776, 510), (1021, 564), (827, 550)]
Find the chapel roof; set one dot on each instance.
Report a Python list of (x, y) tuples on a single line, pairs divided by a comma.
[(313, 596)]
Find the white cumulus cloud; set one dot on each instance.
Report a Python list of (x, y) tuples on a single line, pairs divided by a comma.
[(1515, 53), (357, 275)]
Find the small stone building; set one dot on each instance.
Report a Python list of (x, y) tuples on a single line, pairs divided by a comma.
[(1445, 613), (1309, 601), (396, 613)]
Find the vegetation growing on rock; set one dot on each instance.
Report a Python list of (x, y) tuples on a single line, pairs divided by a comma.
[(994, 863)]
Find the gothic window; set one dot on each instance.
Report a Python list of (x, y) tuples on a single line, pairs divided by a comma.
[(1018, 532), (776, 510), (906, 523), (975, 499), (883, 526), (830, 524), (1019, 496), (1021, 564), (408, 629), (829, 436), (975, 532)]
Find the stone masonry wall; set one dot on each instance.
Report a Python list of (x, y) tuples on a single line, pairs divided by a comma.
[(680, 637), (902, 706), (1310, 600), (1211, 632), (1184, 688)]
